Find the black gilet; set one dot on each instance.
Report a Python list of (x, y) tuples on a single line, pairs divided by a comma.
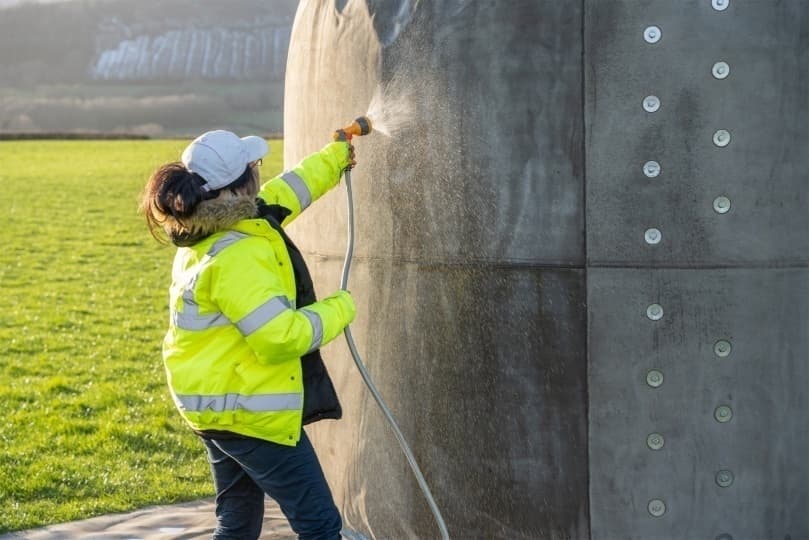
[(319, 397)]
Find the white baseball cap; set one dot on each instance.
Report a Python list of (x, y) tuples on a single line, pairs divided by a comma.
[(221, 157)]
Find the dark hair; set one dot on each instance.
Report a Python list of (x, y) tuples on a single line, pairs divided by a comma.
[(174, 191)]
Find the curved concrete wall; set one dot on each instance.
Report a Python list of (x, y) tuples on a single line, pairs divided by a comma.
[(507, 274), (717, 236)]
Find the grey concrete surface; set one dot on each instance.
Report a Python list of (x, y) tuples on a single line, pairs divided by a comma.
[(502, 273), (740, 277), (762, 103), (762, 380), (470, 293)]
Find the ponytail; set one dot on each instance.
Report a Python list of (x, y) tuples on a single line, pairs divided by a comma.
[(172, 192)]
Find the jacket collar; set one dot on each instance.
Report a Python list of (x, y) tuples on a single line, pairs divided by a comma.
[(253, 227), (211, 216)]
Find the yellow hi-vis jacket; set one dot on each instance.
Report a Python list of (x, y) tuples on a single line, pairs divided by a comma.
[(232, 351)]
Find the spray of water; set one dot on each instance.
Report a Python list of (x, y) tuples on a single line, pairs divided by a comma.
[(390, 110)]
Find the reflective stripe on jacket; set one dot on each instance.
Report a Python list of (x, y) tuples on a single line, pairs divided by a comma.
[(232, 351)]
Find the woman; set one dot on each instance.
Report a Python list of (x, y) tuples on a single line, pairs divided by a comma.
[(241, 353)]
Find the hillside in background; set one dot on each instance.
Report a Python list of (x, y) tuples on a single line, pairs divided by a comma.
[(157, 68)]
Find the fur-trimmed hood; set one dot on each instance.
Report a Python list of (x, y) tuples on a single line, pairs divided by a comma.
[(209, 217)]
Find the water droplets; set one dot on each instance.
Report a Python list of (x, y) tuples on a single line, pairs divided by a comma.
[(391, 109)]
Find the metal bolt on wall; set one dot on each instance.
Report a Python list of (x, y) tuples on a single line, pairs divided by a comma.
[(654, 378), (720, 70), (724, 478), (656, 507), (723, 414), (651, 104), (721, 205), (722, 348), (655, 441), (654, 312), (721, 138), (652, 34)]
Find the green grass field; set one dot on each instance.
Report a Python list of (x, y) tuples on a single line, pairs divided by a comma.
[(88, 427)]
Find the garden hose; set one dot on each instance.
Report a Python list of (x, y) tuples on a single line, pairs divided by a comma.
[(367, 378)]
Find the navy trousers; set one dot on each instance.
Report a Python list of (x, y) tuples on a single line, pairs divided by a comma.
[(245, 469)]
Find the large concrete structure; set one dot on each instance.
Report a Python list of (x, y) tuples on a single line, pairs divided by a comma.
[(582, 267)]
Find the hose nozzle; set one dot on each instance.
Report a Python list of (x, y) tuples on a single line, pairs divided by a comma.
[(360, 126)]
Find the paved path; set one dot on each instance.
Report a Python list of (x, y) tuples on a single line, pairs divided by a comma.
[(194, 520)]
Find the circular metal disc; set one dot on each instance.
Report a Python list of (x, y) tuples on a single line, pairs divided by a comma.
[(722, 348), (654, 378), (654, 312), (651, 103), (723, 414), (724, 478), (721, 138), (655, 441), (652, 34), (652, 236), (651, 169), (720, 70), (657, 507), (720, 5), (721, 205)]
